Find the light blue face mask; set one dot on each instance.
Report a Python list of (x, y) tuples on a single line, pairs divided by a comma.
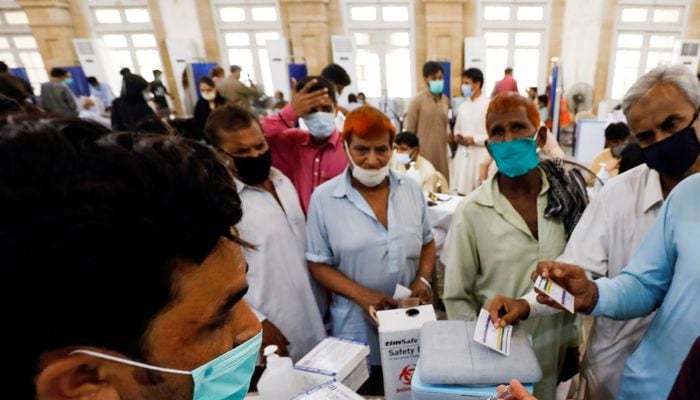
[(515, 158), (467, 90), (226, 377), (320, 124), (68, 81), (436, 87)]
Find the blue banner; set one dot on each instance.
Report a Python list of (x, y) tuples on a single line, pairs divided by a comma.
[(298, 71), (198, 71), (80, 86)]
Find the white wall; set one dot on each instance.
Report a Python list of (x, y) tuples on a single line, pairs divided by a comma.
[(582, 23)]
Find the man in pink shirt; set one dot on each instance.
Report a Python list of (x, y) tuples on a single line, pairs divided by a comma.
[(307, 158), (507, 84)]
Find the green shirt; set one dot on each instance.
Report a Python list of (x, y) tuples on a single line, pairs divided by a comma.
[(490, 250)]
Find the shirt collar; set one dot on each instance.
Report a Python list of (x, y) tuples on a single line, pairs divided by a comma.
[(345, 187), (652, 195), (485, 196)]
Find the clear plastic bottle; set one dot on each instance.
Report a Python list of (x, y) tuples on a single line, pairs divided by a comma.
[(279, 381)]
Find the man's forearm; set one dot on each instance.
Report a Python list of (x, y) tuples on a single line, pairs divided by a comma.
[(427, 261)]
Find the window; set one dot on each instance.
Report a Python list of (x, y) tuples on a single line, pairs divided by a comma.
[(18, 48), (245, 27), (382, 32), (645, 35), (515, 34), (127, 33)]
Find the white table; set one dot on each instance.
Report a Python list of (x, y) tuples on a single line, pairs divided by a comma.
[(440, 217)]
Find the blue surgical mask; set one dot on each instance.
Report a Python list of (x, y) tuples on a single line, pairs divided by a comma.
[(68, 81), (226, 377), (467, 90), (320, 124), (402, 158), (436, 87), (515, 158)]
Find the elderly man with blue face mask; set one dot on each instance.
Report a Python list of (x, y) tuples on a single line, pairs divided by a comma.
[(522, 215), (312, 154)]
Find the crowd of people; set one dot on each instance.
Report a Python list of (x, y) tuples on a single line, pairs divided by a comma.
[(143, 261)]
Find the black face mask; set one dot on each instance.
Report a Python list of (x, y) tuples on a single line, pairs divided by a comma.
[(674, 155), (252, 170)]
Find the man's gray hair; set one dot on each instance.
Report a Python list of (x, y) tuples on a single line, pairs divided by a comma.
[(677, 75)]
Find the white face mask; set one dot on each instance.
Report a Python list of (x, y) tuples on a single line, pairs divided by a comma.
[(402, 158), (367, 177), (209, 96), (321, 124)]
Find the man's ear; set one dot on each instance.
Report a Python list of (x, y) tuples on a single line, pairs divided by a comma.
[(541, 136), (76, 376)]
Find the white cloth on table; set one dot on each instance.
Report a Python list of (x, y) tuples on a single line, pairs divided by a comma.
[(281, 289)]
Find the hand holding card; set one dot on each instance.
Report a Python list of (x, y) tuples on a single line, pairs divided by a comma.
[(555, 292), (494, 338)]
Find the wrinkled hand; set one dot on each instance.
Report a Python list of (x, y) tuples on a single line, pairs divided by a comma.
[(506, 311), (420, 290), (273, 336), (516, 392), (367, 297), (572, 278), (304, 101)]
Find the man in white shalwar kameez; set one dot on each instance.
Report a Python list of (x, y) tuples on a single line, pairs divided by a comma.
[(470, 134)]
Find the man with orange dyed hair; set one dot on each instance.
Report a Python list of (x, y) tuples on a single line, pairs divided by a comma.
[(367, 231), (506, 226)]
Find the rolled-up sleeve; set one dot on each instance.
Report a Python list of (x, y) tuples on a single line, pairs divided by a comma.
[(318, 249), (643, 284)]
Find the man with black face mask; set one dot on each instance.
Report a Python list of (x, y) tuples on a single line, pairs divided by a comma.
[(280, 293), (661, 108)]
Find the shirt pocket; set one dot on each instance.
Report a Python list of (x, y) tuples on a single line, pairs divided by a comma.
[(411, 240)]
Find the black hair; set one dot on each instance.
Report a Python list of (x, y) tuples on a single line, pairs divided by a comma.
[(153, 124), (360, 94), (235, 68), (227, 117), (352, 98), (3, 67), (408, 138), (124, 71), (58, 72), (9, 106), (475, 75), (157, 72), (508, 71), (207, 80), (431, 68), (90, 224), (321, 83), (336, 74), (543, 100), (92, 80), (617, 131)]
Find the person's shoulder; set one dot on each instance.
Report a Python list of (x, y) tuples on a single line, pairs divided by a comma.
[(328, 188), (688, 188), (627, 183)]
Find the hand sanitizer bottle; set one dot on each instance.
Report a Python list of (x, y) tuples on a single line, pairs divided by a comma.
[(279, 381)]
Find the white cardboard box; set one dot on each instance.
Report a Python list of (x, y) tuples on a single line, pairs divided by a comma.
[(331, 390), (399, 343), (343, 360)]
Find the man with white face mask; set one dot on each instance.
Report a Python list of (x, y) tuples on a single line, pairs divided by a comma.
[(309, 157), (367, 231), (407, 155)]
